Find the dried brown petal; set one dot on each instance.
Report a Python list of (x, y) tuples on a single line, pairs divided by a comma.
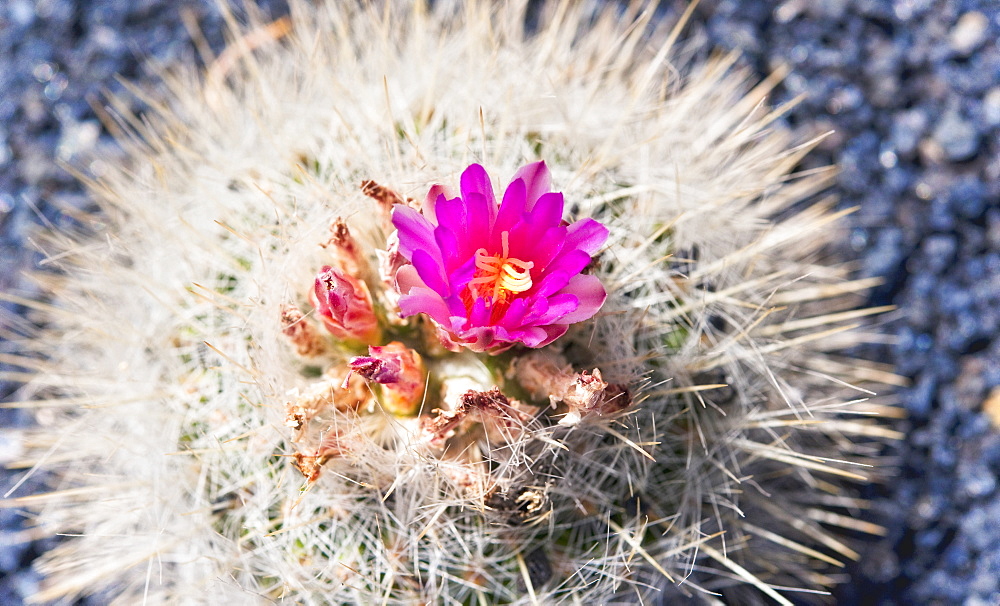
[(326, 392), (547, 374), (500, 416), (344, 248), (385, 197)]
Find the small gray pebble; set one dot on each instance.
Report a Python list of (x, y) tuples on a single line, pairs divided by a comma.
[(969, 33), (956, 136)]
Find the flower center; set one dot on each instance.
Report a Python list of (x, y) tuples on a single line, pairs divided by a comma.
[(497, 276)]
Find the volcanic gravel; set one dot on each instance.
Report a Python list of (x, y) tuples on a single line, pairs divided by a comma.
[(911, 89)]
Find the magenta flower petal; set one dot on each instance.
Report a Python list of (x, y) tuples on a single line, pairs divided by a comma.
[(481, 216), (536, 180), (515, 314), (548, 210), (553, 332), (589, 292), (415, 232), (460, 277), (534, 336), (571, 262), (559, 306), (526, 235), (431, 273), (475, 181), (407, 278), (491, 277), (457, 307), (552, 283), (537, 309), (549, 245), (522, 239), (418, 298), (431, 200), (450, 247), (479, 315), (587, 235), (511, 209), (424, 300), (452, 214)]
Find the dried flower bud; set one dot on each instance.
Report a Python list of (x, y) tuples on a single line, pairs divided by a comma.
[(384, 196), (309, 466), (586, 390), (436, 431), (548, 374), (343, 395), (589, 394), (344, 248), (345, 305), (399, 370), (334, 445), (500, 416), (542, 373), (302, 333)]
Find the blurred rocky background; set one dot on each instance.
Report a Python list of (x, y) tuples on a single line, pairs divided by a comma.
[(911, 91)]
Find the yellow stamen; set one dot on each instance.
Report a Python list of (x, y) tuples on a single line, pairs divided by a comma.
[(500, 274)]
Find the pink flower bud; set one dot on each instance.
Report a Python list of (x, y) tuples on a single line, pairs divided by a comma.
[(399, 370), (345, 306)]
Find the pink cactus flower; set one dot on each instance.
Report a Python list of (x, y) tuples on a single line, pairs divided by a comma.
[(344, 304), (491, 276)]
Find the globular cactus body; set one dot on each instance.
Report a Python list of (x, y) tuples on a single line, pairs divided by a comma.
[(220, 432)]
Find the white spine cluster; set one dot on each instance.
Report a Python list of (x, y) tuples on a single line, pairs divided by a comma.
[(163, 393)]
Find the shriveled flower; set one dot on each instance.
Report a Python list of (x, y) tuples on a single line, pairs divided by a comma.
[(375, 368), (493, 276), (345, 305), (399, 370)]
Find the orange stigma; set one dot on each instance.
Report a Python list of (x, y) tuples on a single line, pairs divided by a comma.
[(499, 275)]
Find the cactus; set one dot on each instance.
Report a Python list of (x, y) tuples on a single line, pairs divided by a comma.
[(232, 409)]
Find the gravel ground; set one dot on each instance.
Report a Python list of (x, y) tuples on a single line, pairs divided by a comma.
[(911, 89)]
